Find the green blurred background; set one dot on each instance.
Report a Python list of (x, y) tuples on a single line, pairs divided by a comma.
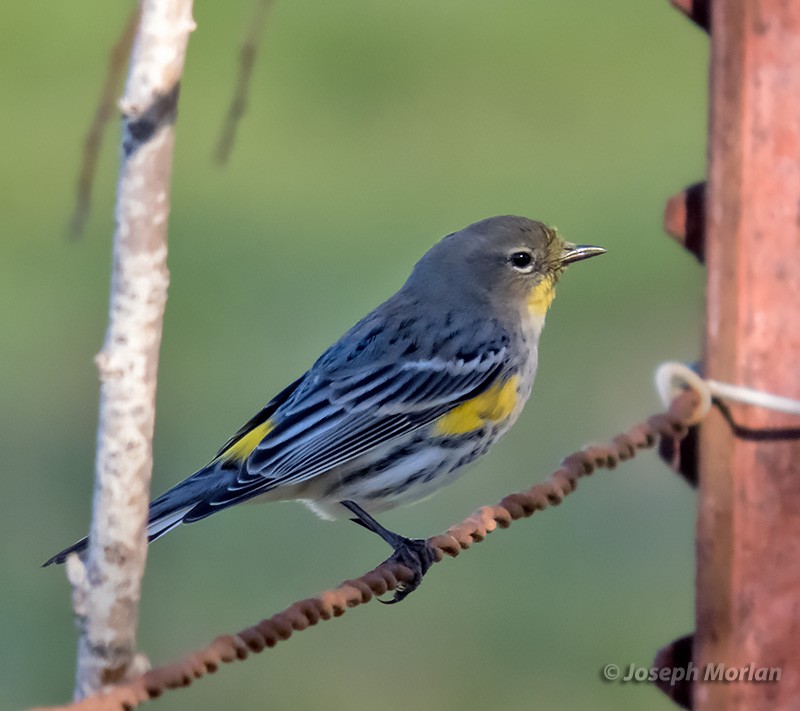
[(373, 129)]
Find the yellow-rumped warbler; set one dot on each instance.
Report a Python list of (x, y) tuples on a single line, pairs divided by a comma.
[(421, 386)]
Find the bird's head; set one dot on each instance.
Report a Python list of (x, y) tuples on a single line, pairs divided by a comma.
[(509, 261)]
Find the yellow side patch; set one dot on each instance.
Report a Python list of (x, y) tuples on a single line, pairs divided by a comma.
[(541, 297), (495, 405), (242, 447)]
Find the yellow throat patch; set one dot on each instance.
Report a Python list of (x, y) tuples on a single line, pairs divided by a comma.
[(494, 405), (243, 446), (541, 296)]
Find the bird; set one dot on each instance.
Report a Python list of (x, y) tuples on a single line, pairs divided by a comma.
[(419, 388)]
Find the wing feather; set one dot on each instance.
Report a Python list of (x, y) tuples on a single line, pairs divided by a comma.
[(339, 413)]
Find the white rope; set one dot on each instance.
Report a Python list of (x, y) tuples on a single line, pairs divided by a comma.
[(671, 378), (754, 397)]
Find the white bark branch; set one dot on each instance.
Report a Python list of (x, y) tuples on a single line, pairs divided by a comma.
[(106, 589)]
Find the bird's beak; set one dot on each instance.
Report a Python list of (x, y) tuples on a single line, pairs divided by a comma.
[(577, 252)]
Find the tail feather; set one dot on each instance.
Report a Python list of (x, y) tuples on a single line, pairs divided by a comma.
[(168, 510), (59, 558), (157, 528)]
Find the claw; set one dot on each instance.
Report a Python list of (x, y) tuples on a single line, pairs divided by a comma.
[(417, 555)]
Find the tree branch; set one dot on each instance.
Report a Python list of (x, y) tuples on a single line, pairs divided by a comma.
[(106, 589)]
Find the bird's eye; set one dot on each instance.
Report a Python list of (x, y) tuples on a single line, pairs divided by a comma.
[(521, 260)]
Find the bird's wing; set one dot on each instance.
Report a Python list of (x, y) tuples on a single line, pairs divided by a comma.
[(335, 416), (261, 416)]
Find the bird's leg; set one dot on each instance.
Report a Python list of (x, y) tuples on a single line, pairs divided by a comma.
[(414, 553)]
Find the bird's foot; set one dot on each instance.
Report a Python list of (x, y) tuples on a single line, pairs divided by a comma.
[(417, 555)]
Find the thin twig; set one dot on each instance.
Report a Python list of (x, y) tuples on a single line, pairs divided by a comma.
[(238, 105), (102, 115), (387, 576)]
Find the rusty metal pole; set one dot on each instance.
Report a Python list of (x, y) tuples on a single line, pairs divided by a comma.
[(748, 538)]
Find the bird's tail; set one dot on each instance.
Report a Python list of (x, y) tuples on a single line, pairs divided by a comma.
[(168, 510)]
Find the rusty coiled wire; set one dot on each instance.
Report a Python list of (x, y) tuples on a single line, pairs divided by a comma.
[(387, 576)]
